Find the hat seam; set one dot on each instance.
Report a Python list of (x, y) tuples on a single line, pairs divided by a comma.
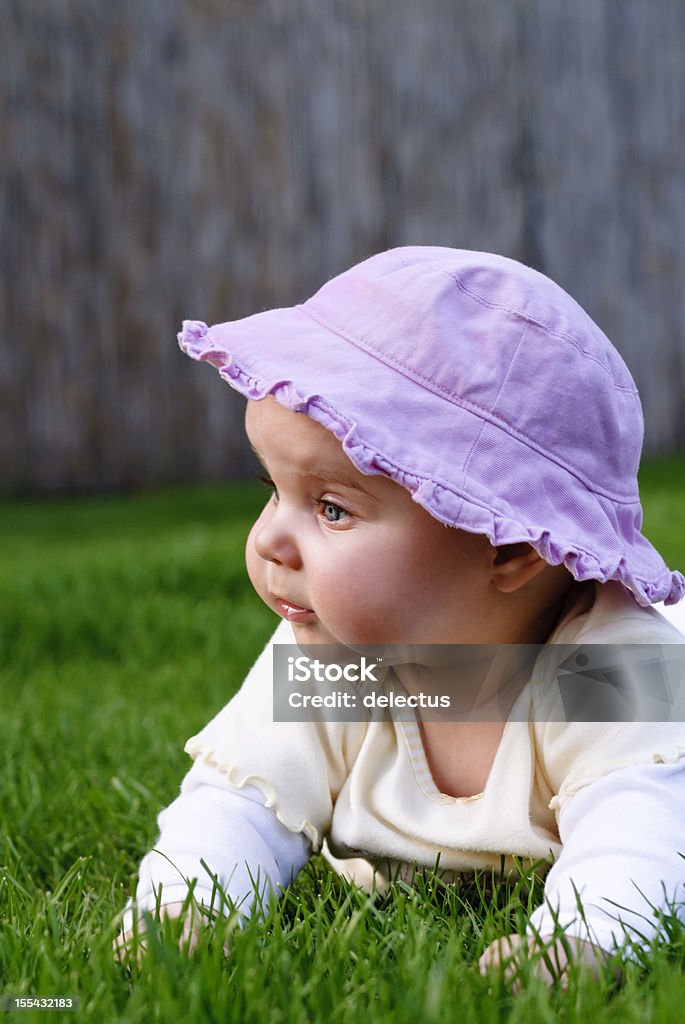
[(477, 410), (519, 314), (476, 440), (555, 333)]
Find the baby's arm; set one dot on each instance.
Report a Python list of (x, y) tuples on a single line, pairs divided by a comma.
[(622, 837), (241, 841)]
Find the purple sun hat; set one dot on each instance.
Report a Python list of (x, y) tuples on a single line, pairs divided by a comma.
[(478, 384)]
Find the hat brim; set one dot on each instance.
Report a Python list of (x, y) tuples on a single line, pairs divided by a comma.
[(310, 368)]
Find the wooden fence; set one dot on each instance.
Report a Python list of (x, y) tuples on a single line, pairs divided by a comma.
[(164, 159)]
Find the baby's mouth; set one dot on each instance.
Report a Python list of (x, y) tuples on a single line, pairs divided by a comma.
[(293, 612)]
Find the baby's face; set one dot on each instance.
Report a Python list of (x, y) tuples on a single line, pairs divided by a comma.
[(351, 558)]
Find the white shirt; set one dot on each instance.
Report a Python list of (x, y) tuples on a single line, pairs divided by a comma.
[(605, 802)]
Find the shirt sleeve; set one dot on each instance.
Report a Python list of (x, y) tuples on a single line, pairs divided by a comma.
[(223, 842), (298, 767), (258, 799), (623, 841), (576, 754), (611, 696)]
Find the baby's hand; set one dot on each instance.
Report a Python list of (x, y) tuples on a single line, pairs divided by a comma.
[(552, 956), (192, 926)]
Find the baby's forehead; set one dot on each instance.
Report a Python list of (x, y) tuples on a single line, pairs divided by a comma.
[(296, 441), (270, 425), (295, 444)]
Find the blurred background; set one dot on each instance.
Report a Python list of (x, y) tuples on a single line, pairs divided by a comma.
[(204, 159), (163, 160)]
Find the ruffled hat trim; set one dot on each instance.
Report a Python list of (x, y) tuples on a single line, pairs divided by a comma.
[(450, 505)]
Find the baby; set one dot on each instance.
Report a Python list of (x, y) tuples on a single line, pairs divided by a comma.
[(452, 447)]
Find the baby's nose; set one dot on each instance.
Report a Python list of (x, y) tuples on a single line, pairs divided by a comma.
[(274, 539)]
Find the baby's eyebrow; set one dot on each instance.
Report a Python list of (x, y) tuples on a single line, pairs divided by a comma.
[(334, 475), (339, 476), (326, 476)]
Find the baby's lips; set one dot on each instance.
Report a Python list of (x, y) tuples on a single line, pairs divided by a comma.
[(292, 612)]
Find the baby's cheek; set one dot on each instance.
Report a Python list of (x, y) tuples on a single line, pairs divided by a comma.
[(351, 606)]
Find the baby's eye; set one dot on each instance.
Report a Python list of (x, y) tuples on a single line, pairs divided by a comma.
[(332, 513)]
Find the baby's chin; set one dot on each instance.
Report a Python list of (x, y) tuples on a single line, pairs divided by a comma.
[(313, 633), (310, 634)]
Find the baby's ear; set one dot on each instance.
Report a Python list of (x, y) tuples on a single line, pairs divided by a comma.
[(514, 565)]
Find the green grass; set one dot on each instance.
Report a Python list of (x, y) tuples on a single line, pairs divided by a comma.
[(124, 625)]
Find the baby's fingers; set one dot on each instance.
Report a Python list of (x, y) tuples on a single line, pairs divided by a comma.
[(552, 957), (132, 944), (129, 945)]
